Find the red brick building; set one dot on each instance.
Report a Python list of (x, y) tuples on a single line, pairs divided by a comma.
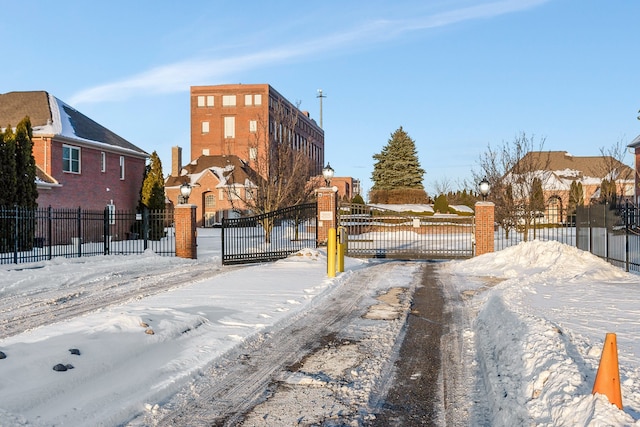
[(236, 119), (233, 126), (80, 162)]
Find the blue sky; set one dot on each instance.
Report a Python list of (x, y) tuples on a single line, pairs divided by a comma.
[(457, 75)]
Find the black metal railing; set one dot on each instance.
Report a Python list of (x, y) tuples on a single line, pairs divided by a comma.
[(611, 232), (29, 235), (269, 237), (555, 224)]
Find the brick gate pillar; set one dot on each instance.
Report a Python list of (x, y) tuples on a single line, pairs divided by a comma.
[(327, 212), (185, 221), (484, 227)]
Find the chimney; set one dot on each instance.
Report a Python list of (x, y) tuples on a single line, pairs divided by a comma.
[(176, 160)]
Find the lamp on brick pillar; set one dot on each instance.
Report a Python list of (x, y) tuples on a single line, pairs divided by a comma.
[(327, 173), (185, 192), (484, 223), (484, 188), (327, 206)]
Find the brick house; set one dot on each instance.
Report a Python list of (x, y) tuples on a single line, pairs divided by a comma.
[(80, 163), (561, 169), (215, 181)]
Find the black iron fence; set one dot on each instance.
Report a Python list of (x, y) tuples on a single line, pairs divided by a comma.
[(28, 235), (269, 237), (554, 224), (611, 232)]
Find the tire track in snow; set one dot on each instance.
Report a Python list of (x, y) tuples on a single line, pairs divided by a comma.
[(244, 377), (19, 313)]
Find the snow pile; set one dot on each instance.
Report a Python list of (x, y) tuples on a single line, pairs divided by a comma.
[(543, 310)]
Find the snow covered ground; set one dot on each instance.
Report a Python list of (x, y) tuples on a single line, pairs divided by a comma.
[(147, 327), (541, 311)]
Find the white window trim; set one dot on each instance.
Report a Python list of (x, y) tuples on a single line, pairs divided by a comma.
[(229, 127), (205, 127), (228, 100), (201, 101), (70, 159), (257, 99), (103, 161), (122, 175), (210, 101), (111, 208)]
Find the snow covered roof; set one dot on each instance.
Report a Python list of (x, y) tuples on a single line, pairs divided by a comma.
[(53, 118), (635, 143), (229, 170)]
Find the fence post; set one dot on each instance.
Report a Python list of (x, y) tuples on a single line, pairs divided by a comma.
[(15, 234), (145, 228), (484, 230), (105, 231), (185, 222), (627, 226), (79, 231), (50, 230)]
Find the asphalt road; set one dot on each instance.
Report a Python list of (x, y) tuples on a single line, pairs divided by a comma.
[(415, 398)]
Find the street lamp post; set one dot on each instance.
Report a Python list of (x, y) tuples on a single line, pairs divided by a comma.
[(327, 173), (484, 188), (185, 192)]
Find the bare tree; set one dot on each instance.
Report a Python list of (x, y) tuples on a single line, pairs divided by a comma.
[(515, 171), (442, 186), (613, 170), (279, 167)]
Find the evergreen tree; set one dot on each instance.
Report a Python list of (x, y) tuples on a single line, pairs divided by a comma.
[(441, 205), (608, 192), (8, 174), (152, 194), (576, 196), (536, 201), (26, 188), (357, 200), (397, 165)]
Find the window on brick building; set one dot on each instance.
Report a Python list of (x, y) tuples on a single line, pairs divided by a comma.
[(229, 127), (201, 101), (103, 161), (122, 167), (210, 201), (253, 153), (248, 100), (205, 127), (70, 159), (257, 100), (209, 100), (253, 126), (228, 100)]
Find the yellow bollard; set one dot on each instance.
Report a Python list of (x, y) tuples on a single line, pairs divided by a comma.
[(331, 253), (342, 247)]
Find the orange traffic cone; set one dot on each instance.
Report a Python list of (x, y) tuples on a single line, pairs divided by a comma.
[(608, 376)]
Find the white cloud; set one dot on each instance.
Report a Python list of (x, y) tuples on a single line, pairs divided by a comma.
[(179, 76)]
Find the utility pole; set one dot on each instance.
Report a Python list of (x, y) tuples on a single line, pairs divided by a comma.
[(320, 95)]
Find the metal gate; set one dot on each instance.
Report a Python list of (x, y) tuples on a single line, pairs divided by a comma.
[(374, 232), (245, 240)]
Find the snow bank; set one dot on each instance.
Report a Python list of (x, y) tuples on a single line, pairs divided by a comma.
[(543, 310)]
